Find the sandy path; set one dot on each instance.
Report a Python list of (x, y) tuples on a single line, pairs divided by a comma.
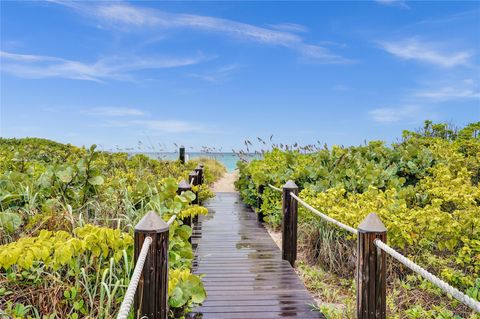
[(225, 184)]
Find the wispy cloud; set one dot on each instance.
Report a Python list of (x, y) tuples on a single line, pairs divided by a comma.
[(162, 126), (115, 67), (448, 88), (415, 49), (449, 93), (399, 3), (113, 111), (289, 27), (217, 75), (395, 114), (126, 17)]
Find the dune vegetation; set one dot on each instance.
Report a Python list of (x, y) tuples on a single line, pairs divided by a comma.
[(425, 188), (67, 216)]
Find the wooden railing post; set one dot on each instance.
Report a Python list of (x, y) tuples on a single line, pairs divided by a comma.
[(371, 269), (151, 297), (181, 155), (260, 215), (199, 170), (194, 175), (183, 186), (289, 223)]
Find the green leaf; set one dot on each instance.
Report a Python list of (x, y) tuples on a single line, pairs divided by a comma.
[(198, 294), (10, 222), (189, 195), (184, 232), (177, 299), (65, 175), (96, 180)]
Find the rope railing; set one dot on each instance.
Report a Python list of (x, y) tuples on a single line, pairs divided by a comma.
[(323, 216), (171, 220), (274, 188), (371, 254), (454, 292), (132, 286)]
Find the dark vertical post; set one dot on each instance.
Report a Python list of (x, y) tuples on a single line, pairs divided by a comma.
[(194, 175), (289, 223), (371, 269), (199, 170), (260, 215), (183, 186), (151, 297), (181, 155)]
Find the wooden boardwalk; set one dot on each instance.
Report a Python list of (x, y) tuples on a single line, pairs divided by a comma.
[(245, 276)]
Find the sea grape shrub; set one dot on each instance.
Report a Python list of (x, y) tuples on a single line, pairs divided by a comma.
[(81, 258), (66, 221), (53, 250), (184, 290), (48, 185), (425, 189)]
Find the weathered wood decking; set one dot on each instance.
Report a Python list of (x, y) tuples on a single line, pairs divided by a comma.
[(245, 276)]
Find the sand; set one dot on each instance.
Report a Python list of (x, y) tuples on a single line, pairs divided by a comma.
[(225, 184)]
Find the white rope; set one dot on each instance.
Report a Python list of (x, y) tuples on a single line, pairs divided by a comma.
[(132, 287), (191, 181), (457, 294), (323, 216), (275, 188), (170, 221)]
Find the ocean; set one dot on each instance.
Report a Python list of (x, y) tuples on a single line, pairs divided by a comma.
[(227, 159)]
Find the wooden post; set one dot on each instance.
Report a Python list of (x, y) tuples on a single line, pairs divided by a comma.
[(151, 297), (194, 175), (183, 186), (260, 215), (371, 269), (181, 155), (199, 170), (289, 223)]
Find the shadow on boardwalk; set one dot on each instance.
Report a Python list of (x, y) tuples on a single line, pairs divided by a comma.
[(245, 276)]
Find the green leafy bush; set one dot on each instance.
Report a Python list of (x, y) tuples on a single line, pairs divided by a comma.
[(425, 188), (66, 223)]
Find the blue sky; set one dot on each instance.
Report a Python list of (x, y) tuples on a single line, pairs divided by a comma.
[(217, 73)]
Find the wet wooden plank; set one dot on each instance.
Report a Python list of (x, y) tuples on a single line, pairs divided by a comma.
[(244, 274)]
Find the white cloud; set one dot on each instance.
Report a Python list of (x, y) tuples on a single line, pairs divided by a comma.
[(399, 3), (394, 114), (126, 17), (449, 93), (115, 67), (449, 89), (113, 111), (119, 13), (289, 27), (415, 49), (162, 126), (218, 75), (171, 126)]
